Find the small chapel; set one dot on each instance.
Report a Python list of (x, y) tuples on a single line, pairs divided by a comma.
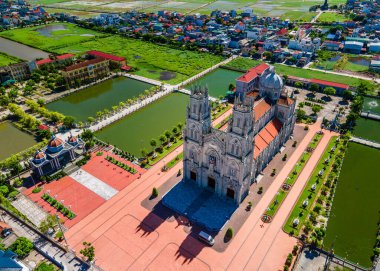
[(228, 162)]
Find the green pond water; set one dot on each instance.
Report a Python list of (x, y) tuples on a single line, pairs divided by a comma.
[(217, 81), (135, 131), (368, 129), (355, 211), (13, 140), (85, 103), (372, 105)]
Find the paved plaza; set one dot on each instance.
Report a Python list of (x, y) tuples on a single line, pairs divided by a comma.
[(30, 209), (254, 247), (94, 184)]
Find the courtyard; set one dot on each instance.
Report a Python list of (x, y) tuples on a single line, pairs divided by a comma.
[(86, 189)]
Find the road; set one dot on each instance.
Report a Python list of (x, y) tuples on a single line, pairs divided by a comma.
[(46, 247)]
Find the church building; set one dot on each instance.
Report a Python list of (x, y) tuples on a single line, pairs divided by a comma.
[(228, 162)]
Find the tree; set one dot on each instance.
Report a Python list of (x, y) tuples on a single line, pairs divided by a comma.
[(314, 87), (175, 130), (231, 87), (45, 267), (329, 91), (87, 135), (22, 247), (153, 143), (88, 251), (13, 163), (298, 85), (4, 190), (144, 152), (155, 192), (69, 121), (347, 95), (168, 134), (48, 223), (90, 119), (229, 233), (315, 109), (301, 114), (162, 139), (41, 102)]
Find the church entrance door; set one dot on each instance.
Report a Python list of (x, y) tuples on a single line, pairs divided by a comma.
[(230, 193), (211, 182), (193, 175)]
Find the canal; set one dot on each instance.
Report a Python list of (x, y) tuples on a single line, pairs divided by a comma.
[(85, 103), (217, 81), (20, 50), (135, 131), (13, 140), (352, 225)]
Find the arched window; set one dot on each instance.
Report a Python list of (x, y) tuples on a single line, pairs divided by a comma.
[(237, 153)]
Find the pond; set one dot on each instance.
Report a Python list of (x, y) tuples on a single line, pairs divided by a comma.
[(360, 61), (46, 31), (368, 129), (371, 105), (85, 103), (354, 216), (20, 50), (13, 140), (217, 81), (135, 131)]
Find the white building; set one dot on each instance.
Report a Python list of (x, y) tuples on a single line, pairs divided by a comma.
[(227, 162)]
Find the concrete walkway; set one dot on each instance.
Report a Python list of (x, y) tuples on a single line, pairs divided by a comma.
[(366, 142), (94, 184)]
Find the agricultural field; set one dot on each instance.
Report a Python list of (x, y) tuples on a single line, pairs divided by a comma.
[(51, 37), (289, 9), (329, 17), (6, 59), (79, 13), (152, 61), (246, 63)]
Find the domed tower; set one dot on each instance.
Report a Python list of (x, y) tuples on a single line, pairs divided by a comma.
[(39, 157), (271, 85), (55, 144)]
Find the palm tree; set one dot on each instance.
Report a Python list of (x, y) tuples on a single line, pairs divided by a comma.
[(106, 112), (114, 108), (180, 125), (121, 104), (175, 130), (168, 134), (99, 114)]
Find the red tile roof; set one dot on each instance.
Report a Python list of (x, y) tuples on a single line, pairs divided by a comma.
[(329, 84), (49, 60), (266, 136), (260, 108), (105, 55), (253, 73)]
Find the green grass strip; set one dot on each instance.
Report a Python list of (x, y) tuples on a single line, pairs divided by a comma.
[(292, 177), (301, 212)]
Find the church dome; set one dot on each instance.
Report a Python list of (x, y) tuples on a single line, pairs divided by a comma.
[(55, 144), (271, 80), (72, 140), (39, 157)]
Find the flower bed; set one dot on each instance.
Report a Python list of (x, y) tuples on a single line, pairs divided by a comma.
[(121, 165), (59, 206)]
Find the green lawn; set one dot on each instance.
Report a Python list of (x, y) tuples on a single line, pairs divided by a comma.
[(6, 59), (298, 15), (299, 211), (355, 211), (153, 61), (330, 17), (69, 35), (245, 63)]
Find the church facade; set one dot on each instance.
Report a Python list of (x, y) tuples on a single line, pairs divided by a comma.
[(228, 162)]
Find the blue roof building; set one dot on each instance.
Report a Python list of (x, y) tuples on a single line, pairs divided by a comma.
[(8, 261)]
